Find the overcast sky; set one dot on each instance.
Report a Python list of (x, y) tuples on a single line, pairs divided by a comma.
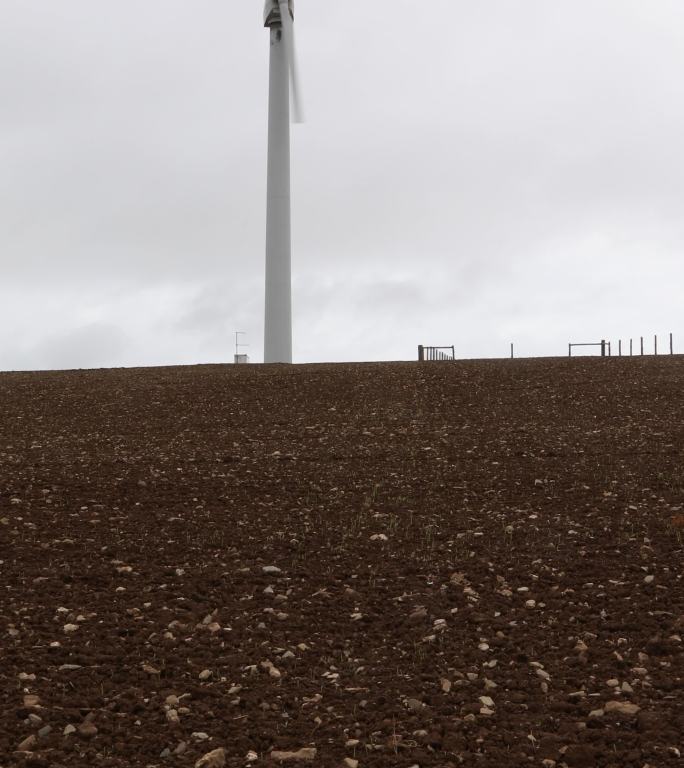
[(469, 173)]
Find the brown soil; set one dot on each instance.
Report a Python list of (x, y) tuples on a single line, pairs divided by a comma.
[(532, 554)]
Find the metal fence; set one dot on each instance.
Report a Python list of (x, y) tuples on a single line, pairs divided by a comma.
[(606, 348), (426, 353), (436, 353)]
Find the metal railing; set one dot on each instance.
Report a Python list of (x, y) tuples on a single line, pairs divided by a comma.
[(605, 346), (606, 349), (436, 353)]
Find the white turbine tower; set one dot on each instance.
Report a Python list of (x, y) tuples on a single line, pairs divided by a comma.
[(279, 18)]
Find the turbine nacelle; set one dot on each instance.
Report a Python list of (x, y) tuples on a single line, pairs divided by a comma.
[(272, 15)]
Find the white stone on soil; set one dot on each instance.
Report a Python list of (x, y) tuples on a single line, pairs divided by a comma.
[(214, 759), (306, 753), (622, 708)]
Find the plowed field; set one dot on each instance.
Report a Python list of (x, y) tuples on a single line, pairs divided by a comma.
[(439, 564)]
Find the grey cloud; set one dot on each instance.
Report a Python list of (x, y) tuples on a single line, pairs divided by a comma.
[(474, 170), (90, 346)]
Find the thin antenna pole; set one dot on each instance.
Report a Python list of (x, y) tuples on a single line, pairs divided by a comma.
[(237, 344)]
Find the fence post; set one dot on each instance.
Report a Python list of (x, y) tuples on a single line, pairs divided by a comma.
[(630, 347), (421, 352), (655, 345), (511, 351), (619, 347), (603, 347), (569, 350), (642, 344), (671, 349)]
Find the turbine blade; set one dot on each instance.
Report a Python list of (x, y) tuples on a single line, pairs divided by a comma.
[(289, 41)]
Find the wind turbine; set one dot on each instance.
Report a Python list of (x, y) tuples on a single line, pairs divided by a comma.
[(279, 18)]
